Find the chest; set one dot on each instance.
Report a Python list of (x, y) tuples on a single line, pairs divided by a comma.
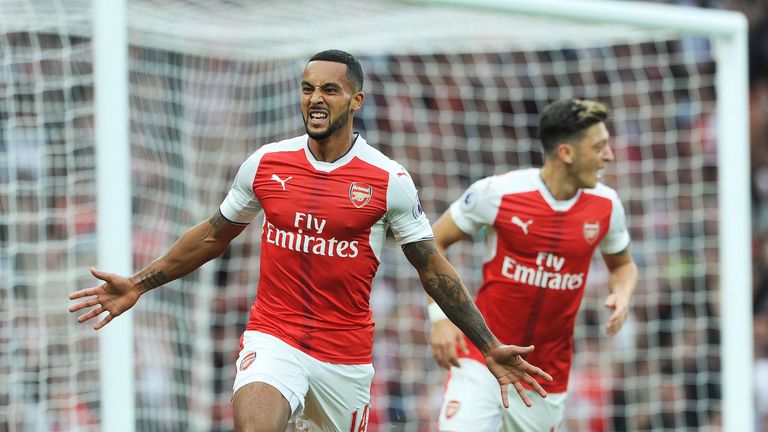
[(528, 223), (342, 203)]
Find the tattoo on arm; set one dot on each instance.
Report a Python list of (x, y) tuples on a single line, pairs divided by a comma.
[(153, 279), (455, 301), (442, 283), (419, 254), (217, 220)]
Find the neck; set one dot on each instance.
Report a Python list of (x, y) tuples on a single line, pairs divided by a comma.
[(557, 180), (332, 148)]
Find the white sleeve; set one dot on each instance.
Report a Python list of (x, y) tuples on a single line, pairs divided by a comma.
[(617, 237), (404, 213), (475, 208), (241, 205)]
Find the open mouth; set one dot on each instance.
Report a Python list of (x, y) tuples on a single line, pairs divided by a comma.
[(317, 118)]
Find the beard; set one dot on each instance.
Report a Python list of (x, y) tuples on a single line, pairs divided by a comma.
[(330, 130)]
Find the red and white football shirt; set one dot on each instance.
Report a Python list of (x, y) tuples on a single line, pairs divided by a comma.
[(323, 231), (538, 251)]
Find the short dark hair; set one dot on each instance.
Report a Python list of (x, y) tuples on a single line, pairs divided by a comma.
[(567, 119), (354, 70)]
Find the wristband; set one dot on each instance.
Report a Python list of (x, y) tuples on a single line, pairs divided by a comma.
[(434, 313)]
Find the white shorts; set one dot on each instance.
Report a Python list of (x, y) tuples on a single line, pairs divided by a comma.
[(472, 403), (323, 396)]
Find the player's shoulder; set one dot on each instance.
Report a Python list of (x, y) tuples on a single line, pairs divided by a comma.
[(290, 144), (511, 182), (602, 190), (286, 145), (374, 157)]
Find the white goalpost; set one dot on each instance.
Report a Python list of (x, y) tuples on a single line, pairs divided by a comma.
[(113, 198), (123, 123)]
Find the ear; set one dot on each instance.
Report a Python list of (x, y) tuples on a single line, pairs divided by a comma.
[(357, 101), (566, 152)]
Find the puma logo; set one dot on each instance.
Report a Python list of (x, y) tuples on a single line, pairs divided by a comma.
[(281, 181), (523, 225)]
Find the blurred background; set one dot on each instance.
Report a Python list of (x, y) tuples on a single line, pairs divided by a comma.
[(210, 82)]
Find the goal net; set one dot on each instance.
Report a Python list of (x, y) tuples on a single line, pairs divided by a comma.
[(453, 94)]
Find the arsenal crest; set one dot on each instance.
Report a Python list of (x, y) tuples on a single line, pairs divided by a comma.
[(360, 193), (247, 360), (452, 408), (591, 231)]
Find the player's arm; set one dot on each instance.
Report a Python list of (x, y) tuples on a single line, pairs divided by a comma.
[(200, 244), (445, 336), (443, 284), (446, 232), (117, 294), (622, 283)]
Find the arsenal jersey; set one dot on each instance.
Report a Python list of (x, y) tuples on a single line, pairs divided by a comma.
[(324, 227), (538, 252)]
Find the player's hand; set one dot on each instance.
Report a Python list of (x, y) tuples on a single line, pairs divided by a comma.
[(444, 337), (620, 307), (116, 295), (507, 365)]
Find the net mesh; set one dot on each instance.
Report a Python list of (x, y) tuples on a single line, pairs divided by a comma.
[(217, 81)]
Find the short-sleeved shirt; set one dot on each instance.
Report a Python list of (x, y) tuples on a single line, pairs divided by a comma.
[(538, 253), (324, 226)]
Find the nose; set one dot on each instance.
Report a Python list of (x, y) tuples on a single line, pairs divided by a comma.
[(607, 154), (316, 96)]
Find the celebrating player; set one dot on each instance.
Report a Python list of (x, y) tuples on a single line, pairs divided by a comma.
[(328, 200), (542, 228)]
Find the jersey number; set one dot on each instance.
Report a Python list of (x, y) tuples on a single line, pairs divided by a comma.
[(363, 426)]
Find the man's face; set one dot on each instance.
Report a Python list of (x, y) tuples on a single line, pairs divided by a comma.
[(591, 155), (327, 98)]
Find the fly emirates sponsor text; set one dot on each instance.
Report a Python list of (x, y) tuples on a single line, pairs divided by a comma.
[(307, 238), (546, 274)]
